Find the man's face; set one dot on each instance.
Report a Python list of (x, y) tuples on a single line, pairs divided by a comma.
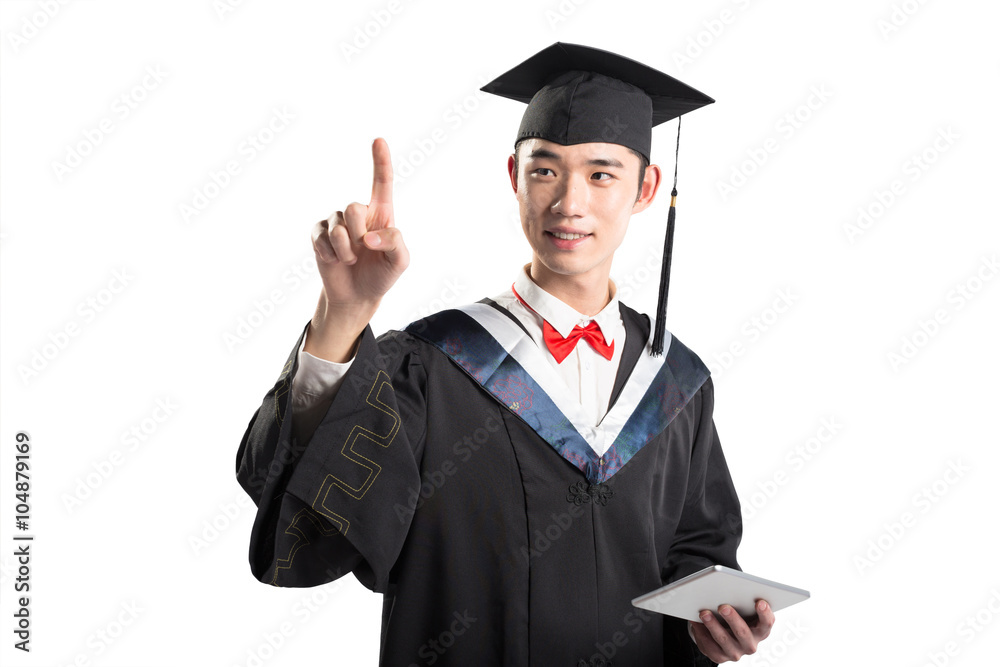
[(575, 203)]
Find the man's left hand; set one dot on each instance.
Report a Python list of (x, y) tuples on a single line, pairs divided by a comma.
[(721, 643)]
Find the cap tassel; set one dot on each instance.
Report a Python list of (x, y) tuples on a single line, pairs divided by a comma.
[(661, 303), (668, 250)]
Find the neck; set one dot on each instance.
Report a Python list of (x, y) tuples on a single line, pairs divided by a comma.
[(586, 294)]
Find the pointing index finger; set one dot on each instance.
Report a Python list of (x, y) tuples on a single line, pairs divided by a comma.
[(382, 176)]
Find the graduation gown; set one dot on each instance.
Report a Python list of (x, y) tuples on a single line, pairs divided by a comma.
[(450, 476)]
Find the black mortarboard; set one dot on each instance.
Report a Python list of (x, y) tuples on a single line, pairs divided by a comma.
[(578, 94)]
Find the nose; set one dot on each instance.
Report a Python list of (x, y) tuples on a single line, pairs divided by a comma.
[(571, 197)]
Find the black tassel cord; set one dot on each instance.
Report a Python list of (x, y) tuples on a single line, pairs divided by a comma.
[(668, 251)]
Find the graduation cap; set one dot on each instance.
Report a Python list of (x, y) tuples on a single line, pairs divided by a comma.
[(578, 94)]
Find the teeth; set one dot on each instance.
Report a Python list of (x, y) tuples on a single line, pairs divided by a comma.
[(567, 237)]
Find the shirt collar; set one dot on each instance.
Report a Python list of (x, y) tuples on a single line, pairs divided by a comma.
[(561, 316)]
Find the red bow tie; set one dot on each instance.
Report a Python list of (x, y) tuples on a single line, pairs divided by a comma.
[(561, 347)]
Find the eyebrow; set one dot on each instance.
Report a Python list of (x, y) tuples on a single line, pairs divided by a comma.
[(544, 153)]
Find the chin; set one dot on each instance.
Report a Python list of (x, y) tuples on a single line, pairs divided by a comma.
[(566, 268)]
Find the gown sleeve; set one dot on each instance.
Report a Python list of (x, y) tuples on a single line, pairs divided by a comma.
[(710, 526), (336, 503)]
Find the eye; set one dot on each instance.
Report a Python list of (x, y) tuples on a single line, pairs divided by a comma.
[(543, 169), (598, 174)]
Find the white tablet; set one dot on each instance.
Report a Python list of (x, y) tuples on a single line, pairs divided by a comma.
[(716, 585)]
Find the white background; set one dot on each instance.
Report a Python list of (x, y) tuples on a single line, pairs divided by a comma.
[(204, 310)]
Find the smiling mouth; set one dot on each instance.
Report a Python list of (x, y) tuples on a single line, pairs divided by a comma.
[(567, 237)]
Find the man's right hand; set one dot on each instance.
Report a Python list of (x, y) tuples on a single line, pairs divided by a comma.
[(360, 255)]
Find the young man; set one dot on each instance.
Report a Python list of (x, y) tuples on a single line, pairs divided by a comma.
[(510, 474)]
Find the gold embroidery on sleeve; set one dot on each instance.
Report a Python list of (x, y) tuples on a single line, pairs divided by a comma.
[(348, 451), (297, 530)]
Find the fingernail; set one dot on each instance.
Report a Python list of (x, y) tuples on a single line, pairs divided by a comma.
[(761, 606), (706, 616), (373, 240), (727, 611)]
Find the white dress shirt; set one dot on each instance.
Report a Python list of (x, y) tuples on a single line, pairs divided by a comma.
[(588, 376)]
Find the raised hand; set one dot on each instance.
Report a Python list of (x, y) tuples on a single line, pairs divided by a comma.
[(360, 255)]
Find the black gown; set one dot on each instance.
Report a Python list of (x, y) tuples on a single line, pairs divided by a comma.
[(443, 477)]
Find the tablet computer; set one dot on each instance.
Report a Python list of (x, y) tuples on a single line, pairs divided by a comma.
[(716, 585)]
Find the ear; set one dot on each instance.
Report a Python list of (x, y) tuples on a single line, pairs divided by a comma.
[(650, 185), (511, 172)]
